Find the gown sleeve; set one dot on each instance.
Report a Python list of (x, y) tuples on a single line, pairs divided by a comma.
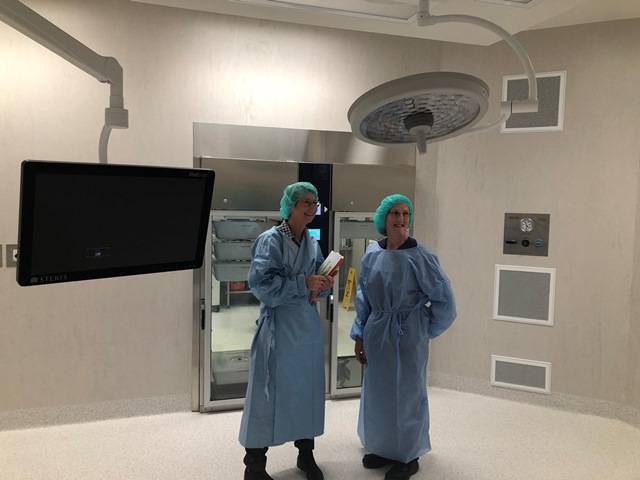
[(268, 279), (435, 283)]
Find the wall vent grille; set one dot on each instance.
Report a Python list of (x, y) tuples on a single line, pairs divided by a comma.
[(524, 294), (521, 374), (550, 114)]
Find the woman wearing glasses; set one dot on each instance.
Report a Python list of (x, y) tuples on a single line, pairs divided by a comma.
[(403, 300), (286, 392)]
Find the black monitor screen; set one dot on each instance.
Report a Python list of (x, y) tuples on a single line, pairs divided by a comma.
[(81, 221)]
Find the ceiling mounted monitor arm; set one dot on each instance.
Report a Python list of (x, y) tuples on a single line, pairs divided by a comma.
[(506, 108), (104, 69)]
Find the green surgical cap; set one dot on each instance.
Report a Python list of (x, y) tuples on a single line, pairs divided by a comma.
[(293, 193), (380, 217)]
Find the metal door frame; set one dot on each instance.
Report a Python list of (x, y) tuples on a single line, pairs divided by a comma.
[(334, 392), (205, 326)]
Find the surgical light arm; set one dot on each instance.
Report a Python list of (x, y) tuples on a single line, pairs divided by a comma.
[(506, 108), (104, 69)]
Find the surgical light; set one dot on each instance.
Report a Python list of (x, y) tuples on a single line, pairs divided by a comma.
[(430, 107)]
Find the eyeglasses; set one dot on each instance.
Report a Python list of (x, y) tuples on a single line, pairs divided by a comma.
[(307, 203), (395, 213)]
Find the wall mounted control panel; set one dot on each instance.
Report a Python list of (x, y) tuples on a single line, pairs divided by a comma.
[(526, 234)]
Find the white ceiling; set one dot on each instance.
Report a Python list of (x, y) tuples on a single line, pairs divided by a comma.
[(398, 17)]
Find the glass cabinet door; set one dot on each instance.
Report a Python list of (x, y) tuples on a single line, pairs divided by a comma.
[(231, 311), (353, 233)]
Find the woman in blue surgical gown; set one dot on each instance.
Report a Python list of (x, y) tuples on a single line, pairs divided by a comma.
[(403, 300), (286, 392)]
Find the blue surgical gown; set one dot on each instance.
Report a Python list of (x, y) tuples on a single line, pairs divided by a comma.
[(286, 394), (404, 299)]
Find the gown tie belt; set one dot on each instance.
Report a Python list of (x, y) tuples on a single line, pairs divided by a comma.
[(399, 315), (400, 318), (270, 337)]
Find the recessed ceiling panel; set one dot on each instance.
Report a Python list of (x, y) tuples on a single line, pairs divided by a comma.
[(513, 3), (384, 10), (398, 17)]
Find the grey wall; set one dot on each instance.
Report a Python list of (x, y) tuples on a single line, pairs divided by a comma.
[(586, 178), (131, 337)]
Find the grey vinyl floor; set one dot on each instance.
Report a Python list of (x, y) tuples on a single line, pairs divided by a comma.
[(473, 438)]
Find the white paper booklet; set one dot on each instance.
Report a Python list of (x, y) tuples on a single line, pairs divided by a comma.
[(331, 263)]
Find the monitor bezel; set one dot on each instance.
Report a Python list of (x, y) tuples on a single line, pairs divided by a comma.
[(30, 169)]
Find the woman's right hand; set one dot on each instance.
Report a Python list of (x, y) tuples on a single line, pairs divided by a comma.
[(359, 351), (318, 282)]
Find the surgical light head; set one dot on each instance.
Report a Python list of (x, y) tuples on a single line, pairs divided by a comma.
[(293, 193), (419, 109), (429, 107), (380, 217)]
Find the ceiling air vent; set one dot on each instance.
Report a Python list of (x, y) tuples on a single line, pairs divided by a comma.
[(513, 3)]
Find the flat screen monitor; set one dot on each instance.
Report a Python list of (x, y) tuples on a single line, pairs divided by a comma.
[(83, 221)]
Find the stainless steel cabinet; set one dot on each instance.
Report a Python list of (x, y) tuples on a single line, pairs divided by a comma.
[(230, 310)]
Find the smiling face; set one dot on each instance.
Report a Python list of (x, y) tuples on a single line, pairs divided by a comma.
[(398, 221), (304, 211)]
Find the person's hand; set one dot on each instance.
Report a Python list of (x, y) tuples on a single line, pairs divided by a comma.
[(359, 351), (327, 282), (319, 282)]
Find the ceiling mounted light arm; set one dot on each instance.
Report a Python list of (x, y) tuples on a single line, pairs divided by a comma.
[(104, 69), (507, 107), (431, 107)]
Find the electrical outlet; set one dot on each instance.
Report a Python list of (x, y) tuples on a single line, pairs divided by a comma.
[(12, 255)]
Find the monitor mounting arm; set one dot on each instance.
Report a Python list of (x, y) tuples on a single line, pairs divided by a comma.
[(104, 69)]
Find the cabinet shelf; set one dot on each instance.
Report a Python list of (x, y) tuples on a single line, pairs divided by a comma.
[(230, 292)]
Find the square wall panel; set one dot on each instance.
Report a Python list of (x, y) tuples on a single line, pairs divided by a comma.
[(524, 294)]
